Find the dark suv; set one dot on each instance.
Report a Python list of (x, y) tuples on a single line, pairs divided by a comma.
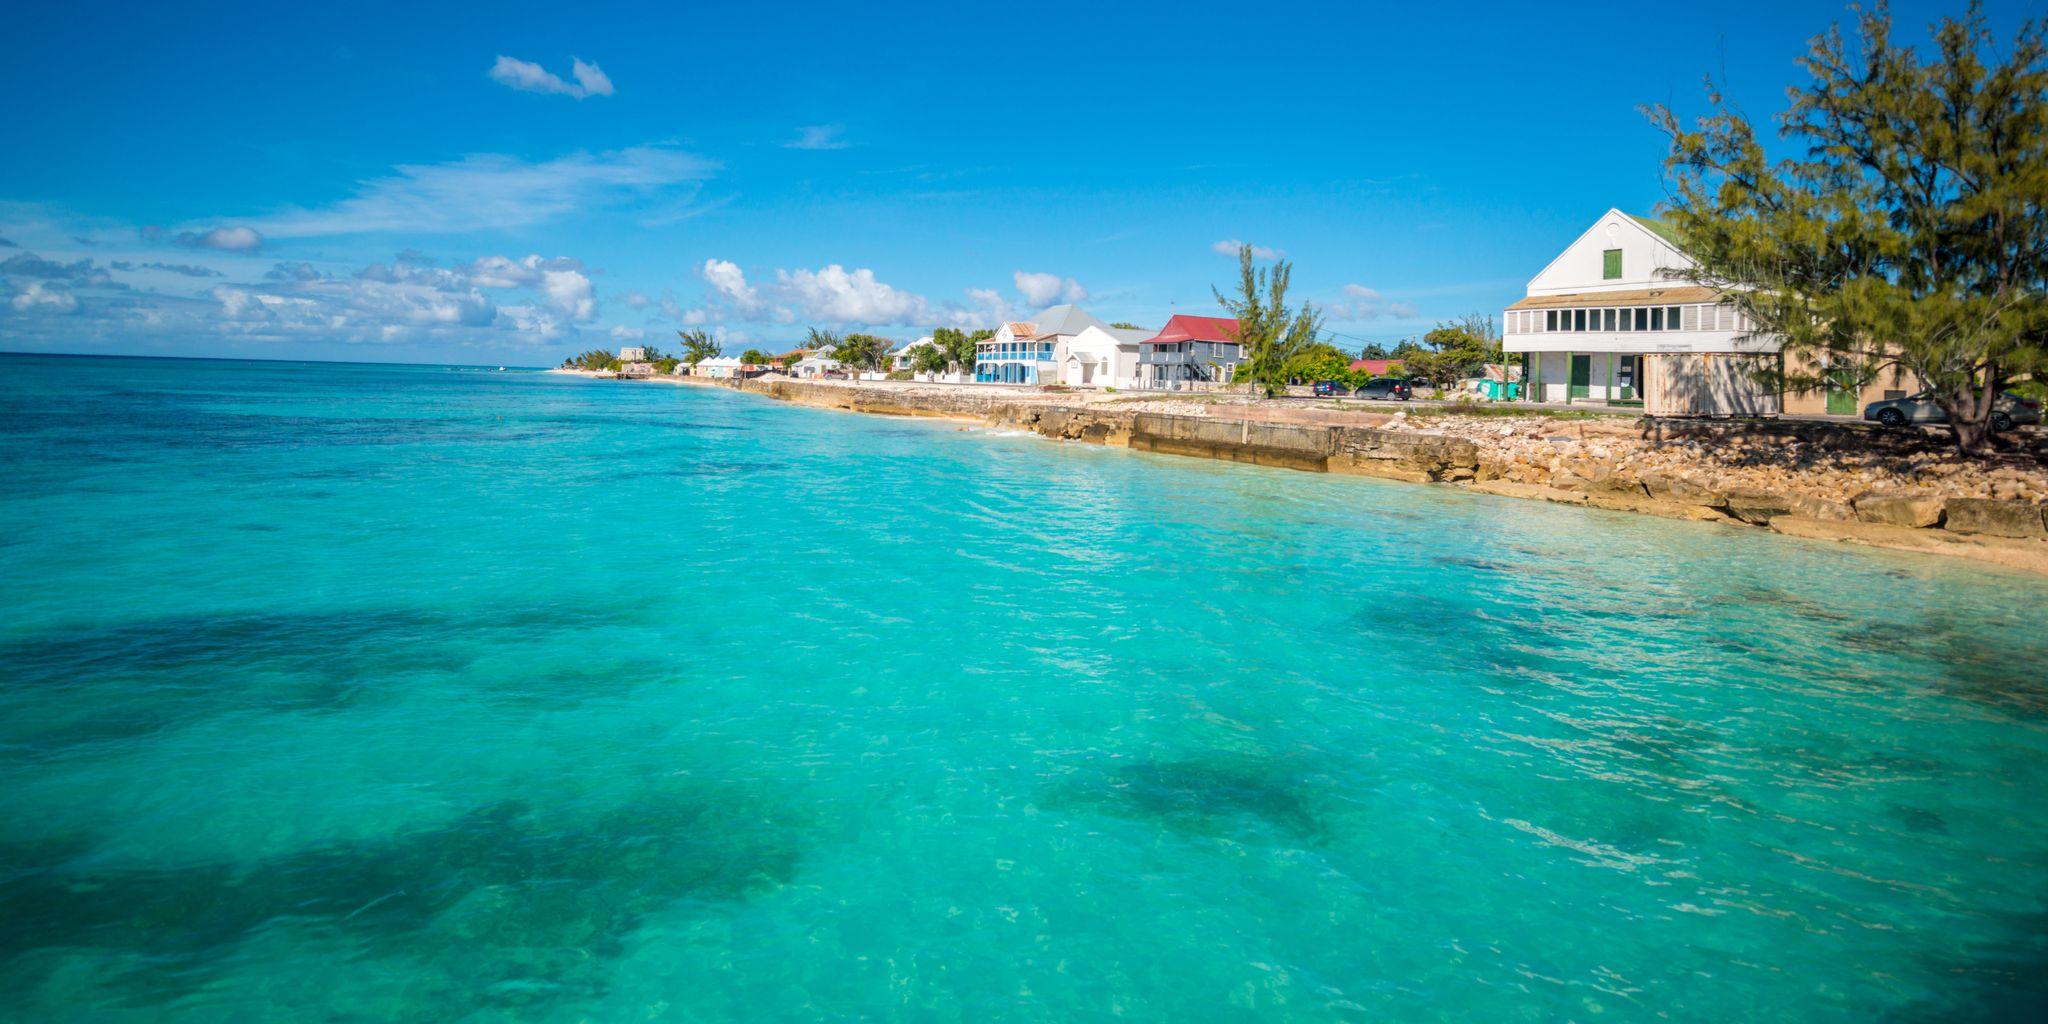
[(1391, 389)]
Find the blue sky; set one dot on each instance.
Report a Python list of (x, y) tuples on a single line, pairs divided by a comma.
[(425, 182)]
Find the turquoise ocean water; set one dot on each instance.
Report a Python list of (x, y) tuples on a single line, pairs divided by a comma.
[(377, 693)]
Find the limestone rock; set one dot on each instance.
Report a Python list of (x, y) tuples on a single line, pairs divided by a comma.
[(1757, 507), (1995, 518), (1810, 507), (1667, 487), (1909, 510)]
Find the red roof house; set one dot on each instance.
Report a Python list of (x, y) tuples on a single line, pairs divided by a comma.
[(1376, 367), (1195, 328)]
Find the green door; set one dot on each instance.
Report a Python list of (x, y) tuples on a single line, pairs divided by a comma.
[(1582, 377), (1842, 393)]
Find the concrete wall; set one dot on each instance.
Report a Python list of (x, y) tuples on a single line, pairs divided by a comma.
[(1704, 384)]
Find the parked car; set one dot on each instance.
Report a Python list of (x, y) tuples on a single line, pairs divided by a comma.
[(1391, 389), (2007, 412), (1329, 389)]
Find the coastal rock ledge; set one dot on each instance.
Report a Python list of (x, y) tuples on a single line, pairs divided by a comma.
[(1822, 481)]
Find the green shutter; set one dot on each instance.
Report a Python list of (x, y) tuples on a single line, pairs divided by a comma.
[(1610, 264)]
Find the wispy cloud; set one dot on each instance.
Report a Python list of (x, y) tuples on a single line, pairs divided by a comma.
[(1362, 304), (185, 269), (78, 273), (819, 136), (1231, 246), (487, 191), (491, 300), (526, 76), (235, 238)]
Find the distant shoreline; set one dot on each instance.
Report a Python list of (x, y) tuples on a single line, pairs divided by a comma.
[(1604, 462)]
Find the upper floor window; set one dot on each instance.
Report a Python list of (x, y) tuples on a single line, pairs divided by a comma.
[(1610, 265)]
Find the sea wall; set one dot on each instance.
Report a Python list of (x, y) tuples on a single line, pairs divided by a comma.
[(2012, 533)]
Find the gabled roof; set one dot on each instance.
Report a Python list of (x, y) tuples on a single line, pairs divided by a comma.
[(1376, 367), (1659, 227), (1063, 320), (908, 345), (1128, 336), (1184, 327)]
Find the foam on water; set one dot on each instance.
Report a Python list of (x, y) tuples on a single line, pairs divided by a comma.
[(388, 693)]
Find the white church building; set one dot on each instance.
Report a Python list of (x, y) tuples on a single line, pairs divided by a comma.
[(1613, 321)]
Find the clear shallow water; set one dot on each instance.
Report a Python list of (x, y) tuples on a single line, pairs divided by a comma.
[(410, 694)]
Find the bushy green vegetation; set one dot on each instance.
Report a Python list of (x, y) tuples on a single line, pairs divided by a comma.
[(1454, 350), (932, 358), (595, 360), (862, 351), (756, 357), (958, 347)]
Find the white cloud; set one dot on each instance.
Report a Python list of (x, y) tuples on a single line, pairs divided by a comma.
[(232, 239), (1362, 303), (837, 295), (621, 332), (570, 293), (819, 136), (527, 76), (410, 298), (730, 283), (42, 297), (488, 191), (829, 295), (1047, 289), (634, 300), (1231, 246)]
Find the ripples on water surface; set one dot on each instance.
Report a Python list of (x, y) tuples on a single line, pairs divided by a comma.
[(407, 694)]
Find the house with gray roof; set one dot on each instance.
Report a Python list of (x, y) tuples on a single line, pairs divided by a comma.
[(1062, 345)]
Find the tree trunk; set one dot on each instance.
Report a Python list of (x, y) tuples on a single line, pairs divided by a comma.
[(1969, 417)]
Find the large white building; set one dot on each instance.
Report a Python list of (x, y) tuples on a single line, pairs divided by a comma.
[(1612, 320), (1062, 345)]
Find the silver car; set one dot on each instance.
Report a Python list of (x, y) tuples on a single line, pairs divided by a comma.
[(2009, 411)]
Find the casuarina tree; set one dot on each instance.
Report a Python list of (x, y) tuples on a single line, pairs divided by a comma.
[(1907, 226), (698, 346), (1270, 333)]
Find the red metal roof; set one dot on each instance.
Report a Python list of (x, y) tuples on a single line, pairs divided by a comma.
[(1195, 328), (1376, 367)]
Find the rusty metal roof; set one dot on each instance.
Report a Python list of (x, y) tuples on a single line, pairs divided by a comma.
[(1640, 297)]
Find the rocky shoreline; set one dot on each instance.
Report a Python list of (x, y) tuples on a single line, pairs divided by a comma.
[(1821, 481)]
